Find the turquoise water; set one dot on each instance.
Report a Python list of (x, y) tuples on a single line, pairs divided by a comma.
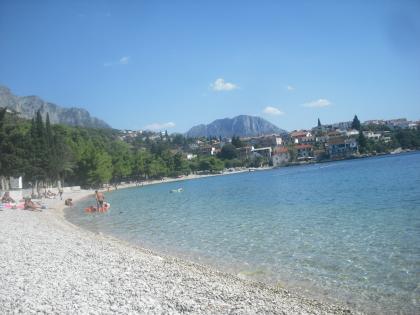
[(345, 231)]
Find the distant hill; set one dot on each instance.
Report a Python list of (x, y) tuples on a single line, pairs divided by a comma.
[(27, 106), (242, 126)]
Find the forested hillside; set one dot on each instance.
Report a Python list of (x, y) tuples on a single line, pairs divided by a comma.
[(42, 152)]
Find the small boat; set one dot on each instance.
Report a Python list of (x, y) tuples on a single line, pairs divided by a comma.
[(177, 190)]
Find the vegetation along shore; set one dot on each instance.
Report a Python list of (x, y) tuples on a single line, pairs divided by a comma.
[(44, 153)]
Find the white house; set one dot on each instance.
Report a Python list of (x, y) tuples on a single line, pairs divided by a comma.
[(372, 135), (352, 132), (191, 156)]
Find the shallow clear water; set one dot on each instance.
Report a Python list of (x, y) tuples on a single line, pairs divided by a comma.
[(345, 231)]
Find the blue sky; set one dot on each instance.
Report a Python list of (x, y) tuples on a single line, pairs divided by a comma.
[(175, 64)]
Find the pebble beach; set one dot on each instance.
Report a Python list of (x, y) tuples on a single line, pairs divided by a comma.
[(48, 265)]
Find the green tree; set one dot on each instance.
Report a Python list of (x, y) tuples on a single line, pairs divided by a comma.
[(156, 168), (141, 159), (228, 152), (2, 141), (408, 139), (362, 142), (180, 165), (39, 150), (61, 158), (257, 161), (13, 157), (236, 141), (100, 168), (356, 123), (48, 132), (211, 164), (179, 140), (121, 160)]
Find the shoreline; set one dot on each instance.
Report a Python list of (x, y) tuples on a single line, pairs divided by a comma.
[(50, 265), (187, 177)]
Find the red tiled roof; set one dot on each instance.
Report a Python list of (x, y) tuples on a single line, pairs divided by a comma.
[(336, 140), (298, 134), (303, 146), (281, 150)]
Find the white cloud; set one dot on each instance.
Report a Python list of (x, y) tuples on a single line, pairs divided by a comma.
[(322, 102), (269, 110), (160, 126), (290, 88), (221, 85), (124, 60)]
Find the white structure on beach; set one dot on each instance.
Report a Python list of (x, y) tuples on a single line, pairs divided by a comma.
[(16, 182)]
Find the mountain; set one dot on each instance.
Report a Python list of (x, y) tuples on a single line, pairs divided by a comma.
[(27, 106), (242, 126)]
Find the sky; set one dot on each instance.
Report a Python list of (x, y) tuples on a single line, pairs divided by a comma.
[(175, 64)]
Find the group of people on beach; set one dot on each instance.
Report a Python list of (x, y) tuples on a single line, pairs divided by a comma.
[(27, 203), (101, 205), (7, 198)]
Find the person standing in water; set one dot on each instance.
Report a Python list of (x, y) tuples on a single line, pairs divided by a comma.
[(99, 199)]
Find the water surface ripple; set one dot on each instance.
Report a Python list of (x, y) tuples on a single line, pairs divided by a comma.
[(345, 231)]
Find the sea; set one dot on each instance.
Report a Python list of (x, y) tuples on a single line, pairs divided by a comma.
[(346, 232)]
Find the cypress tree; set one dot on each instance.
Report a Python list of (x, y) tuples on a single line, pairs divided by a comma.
[(356, 123), (48, 132), (2, 139), (39, 147), (362, 142), (39, 127)]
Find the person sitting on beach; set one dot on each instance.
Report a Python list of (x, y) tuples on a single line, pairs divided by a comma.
[(68, 202), (6, 198), (49, 194), (30, 205), (99, 199)]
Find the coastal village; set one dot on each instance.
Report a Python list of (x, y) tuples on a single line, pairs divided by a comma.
[(39, 154), (329, 142)]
